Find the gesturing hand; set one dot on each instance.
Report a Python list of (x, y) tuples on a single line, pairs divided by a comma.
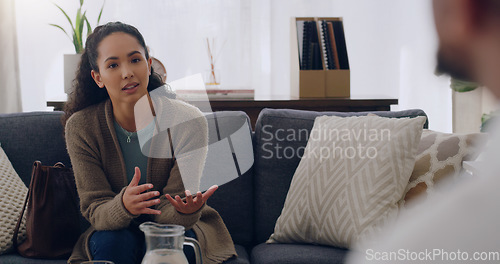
[(136, 201), (192, 204)]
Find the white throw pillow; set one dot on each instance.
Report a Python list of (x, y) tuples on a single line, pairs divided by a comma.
[(12, 196), (350, 179), (439, 158)]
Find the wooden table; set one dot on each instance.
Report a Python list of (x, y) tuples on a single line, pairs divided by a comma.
[(253, 106)]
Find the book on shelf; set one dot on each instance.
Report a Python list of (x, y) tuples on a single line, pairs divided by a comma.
[(319, 62), (310, 52), (321, 44), (333, 45), (325, 46), (300, 40), (338, 29), (215, 94)]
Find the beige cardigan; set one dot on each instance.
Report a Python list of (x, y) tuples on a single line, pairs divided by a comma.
[(101, 180)]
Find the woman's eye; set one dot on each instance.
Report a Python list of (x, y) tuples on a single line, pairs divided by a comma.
[(112, 65), (135, 60)]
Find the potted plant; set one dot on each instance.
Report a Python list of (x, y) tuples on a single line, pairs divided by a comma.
[(78, 26), (462, 86), (469, 107)]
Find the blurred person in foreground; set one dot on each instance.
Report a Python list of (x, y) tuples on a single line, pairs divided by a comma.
[(460, 226)]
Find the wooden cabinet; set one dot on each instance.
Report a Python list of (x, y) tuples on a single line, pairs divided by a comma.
[(253, 107)]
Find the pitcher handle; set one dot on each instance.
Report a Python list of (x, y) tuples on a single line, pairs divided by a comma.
[(197, 249)]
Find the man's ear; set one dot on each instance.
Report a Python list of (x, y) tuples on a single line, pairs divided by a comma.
[(97, 78)]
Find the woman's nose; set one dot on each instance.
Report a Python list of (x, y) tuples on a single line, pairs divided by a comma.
[(126, 72)]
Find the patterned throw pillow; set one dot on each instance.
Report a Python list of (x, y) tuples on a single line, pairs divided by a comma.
[(12, 195), (439, 157), (349, 181)]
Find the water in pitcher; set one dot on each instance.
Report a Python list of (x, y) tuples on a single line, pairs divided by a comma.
[(164, 244), (165, 256)]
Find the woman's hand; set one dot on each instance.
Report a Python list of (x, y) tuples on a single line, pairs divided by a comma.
[(136, 201), (192, 204)]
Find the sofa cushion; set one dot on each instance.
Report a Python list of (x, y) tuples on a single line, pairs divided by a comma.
[(12, 196), (242, 256), (279, 142), (440, 157), (350, 179), (297, 254), (234, 200), (31, 136), (27, 137)]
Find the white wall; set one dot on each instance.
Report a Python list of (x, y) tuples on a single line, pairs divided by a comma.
[(41, 49), (175, 30), (391, 45)]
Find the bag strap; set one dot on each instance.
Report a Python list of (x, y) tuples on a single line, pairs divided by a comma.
[(58, 165), (18, 225), (37, 165)]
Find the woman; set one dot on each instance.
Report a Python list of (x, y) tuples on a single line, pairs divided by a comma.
[(118, 186)]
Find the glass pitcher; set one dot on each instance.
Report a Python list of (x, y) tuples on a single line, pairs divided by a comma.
[(164, 244)]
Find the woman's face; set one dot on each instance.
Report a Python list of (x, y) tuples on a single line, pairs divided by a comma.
[(123, 68)]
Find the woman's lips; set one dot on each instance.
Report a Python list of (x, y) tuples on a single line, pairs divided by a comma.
[(130, 88)]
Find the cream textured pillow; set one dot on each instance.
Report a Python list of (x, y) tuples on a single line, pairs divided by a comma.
[(439, 156), (12, 195), (350, 179)]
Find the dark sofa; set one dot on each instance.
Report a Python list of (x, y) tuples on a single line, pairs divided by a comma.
[(249, 205)]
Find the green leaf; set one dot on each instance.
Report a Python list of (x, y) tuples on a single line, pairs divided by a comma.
[(78, 28), (67, 17), (57, 26), (76, 44), (462, 86), (89, 28), (100, 13), (78, 19)]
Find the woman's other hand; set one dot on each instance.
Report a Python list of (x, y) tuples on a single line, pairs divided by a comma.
[(191, 205), (136, 200)]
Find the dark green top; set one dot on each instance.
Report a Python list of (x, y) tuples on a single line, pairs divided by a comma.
[(131, 151)]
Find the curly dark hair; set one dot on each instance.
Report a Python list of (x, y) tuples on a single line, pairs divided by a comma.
[(85, 91)]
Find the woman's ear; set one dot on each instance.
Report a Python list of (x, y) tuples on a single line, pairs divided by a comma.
[(97, 78)]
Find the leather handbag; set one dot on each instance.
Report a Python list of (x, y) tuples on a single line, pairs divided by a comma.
[(52, 213)]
